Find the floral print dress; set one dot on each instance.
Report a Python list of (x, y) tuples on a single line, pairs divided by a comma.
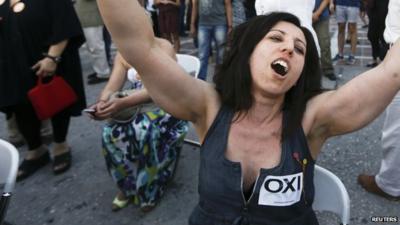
[(141, 154)]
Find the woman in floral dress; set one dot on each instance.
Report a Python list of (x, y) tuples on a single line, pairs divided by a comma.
[(141, 152)]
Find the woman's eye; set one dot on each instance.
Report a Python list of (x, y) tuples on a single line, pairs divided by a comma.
[(300, 50), (276, 38)]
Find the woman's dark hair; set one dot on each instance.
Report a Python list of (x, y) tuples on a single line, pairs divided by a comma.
[(233, 80)]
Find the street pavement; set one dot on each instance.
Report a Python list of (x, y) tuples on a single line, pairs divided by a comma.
[(83, 194)]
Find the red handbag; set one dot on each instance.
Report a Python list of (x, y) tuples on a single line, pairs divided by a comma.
[(50, 98)]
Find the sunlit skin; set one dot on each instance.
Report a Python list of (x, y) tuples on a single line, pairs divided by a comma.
[(285, 41)]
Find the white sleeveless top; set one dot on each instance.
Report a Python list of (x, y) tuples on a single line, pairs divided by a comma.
[(303, 9), (132, 77), (392, 31)]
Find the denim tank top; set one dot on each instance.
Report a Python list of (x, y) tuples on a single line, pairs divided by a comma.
[(282, 195)]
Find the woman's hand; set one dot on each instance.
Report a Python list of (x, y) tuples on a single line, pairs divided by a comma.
[(105, 110), (332, 8), (45, 67)]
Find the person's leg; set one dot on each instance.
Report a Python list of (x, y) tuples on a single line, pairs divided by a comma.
[(204, 43), (29, 126), (382, 12), (176, 41), (388, 178), (14, 136), (341, 37), (220, 41), (119, 148), (95, 43), (341, 20), (322, 30), (373, 37), (60, 123), (182, 10), (353, 13), (353, 33), (174, 28), (61, 150)]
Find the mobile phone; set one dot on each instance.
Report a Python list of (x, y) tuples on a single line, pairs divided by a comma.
[(90, 110)]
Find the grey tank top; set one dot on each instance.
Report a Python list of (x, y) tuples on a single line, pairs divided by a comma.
[(282, 195)]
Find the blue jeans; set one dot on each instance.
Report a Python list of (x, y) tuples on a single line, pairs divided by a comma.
[(205, 35)]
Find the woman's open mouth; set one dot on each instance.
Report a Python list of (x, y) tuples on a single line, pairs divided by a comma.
[(280, 66)]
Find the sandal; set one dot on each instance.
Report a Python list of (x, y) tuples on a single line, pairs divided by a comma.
[(29, 167), (62, 162), (119, 204)]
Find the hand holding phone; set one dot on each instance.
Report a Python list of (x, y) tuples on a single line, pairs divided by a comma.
[(90, 110)]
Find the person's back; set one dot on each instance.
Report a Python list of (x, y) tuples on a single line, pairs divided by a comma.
[(212, 12), (239, 12), (352, 3)]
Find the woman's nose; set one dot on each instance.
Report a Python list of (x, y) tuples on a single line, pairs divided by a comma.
[(288, 47)]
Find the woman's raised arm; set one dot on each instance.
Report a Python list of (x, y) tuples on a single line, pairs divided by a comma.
[(167, 83), (359, 101)]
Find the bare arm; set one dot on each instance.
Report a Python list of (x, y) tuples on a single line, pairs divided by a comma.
[(194, 15), (317, 13), (117, 78), (229, 14), (332, 6), (46, 66), (355, 104), (167, 83), (104, 107)]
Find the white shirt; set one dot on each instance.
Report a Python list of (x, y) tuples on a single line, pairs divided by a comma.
[(132, 75), (303, 9), (392, 31), (149, 6)]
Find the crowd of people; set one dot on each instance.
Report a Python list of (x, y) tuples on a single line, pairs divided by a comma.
[(266, 112)]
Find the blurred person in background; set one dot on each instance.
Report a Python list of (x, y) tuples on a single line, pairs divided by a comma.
[(141, 152), (40, 39)]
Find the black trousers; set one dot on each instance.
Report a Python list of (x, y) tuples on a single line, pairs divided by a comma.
[(29, 125), (376, 27)]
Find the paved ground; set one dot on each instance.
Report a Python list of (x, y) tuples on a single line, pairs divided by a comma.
[(83, 195)]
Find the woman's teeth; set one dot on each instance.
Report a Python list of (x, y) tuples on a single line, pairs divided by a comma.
[(280, 67)]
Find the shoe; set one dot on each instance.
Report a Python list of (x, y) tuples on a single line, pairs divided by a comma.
[(92, 75), (372, 64), (29, 167), (62, 162), (147, 207), (338, 57), (331, 76), (369, 184), (96, 80), (350, 60), (119, 204)]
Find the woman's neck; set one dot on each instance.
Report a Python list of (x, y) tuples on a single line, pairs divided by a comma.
[(265, 110)]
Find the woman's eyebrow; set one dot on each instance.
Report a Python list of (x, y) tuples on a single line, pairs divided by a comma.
[(296, 39)]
